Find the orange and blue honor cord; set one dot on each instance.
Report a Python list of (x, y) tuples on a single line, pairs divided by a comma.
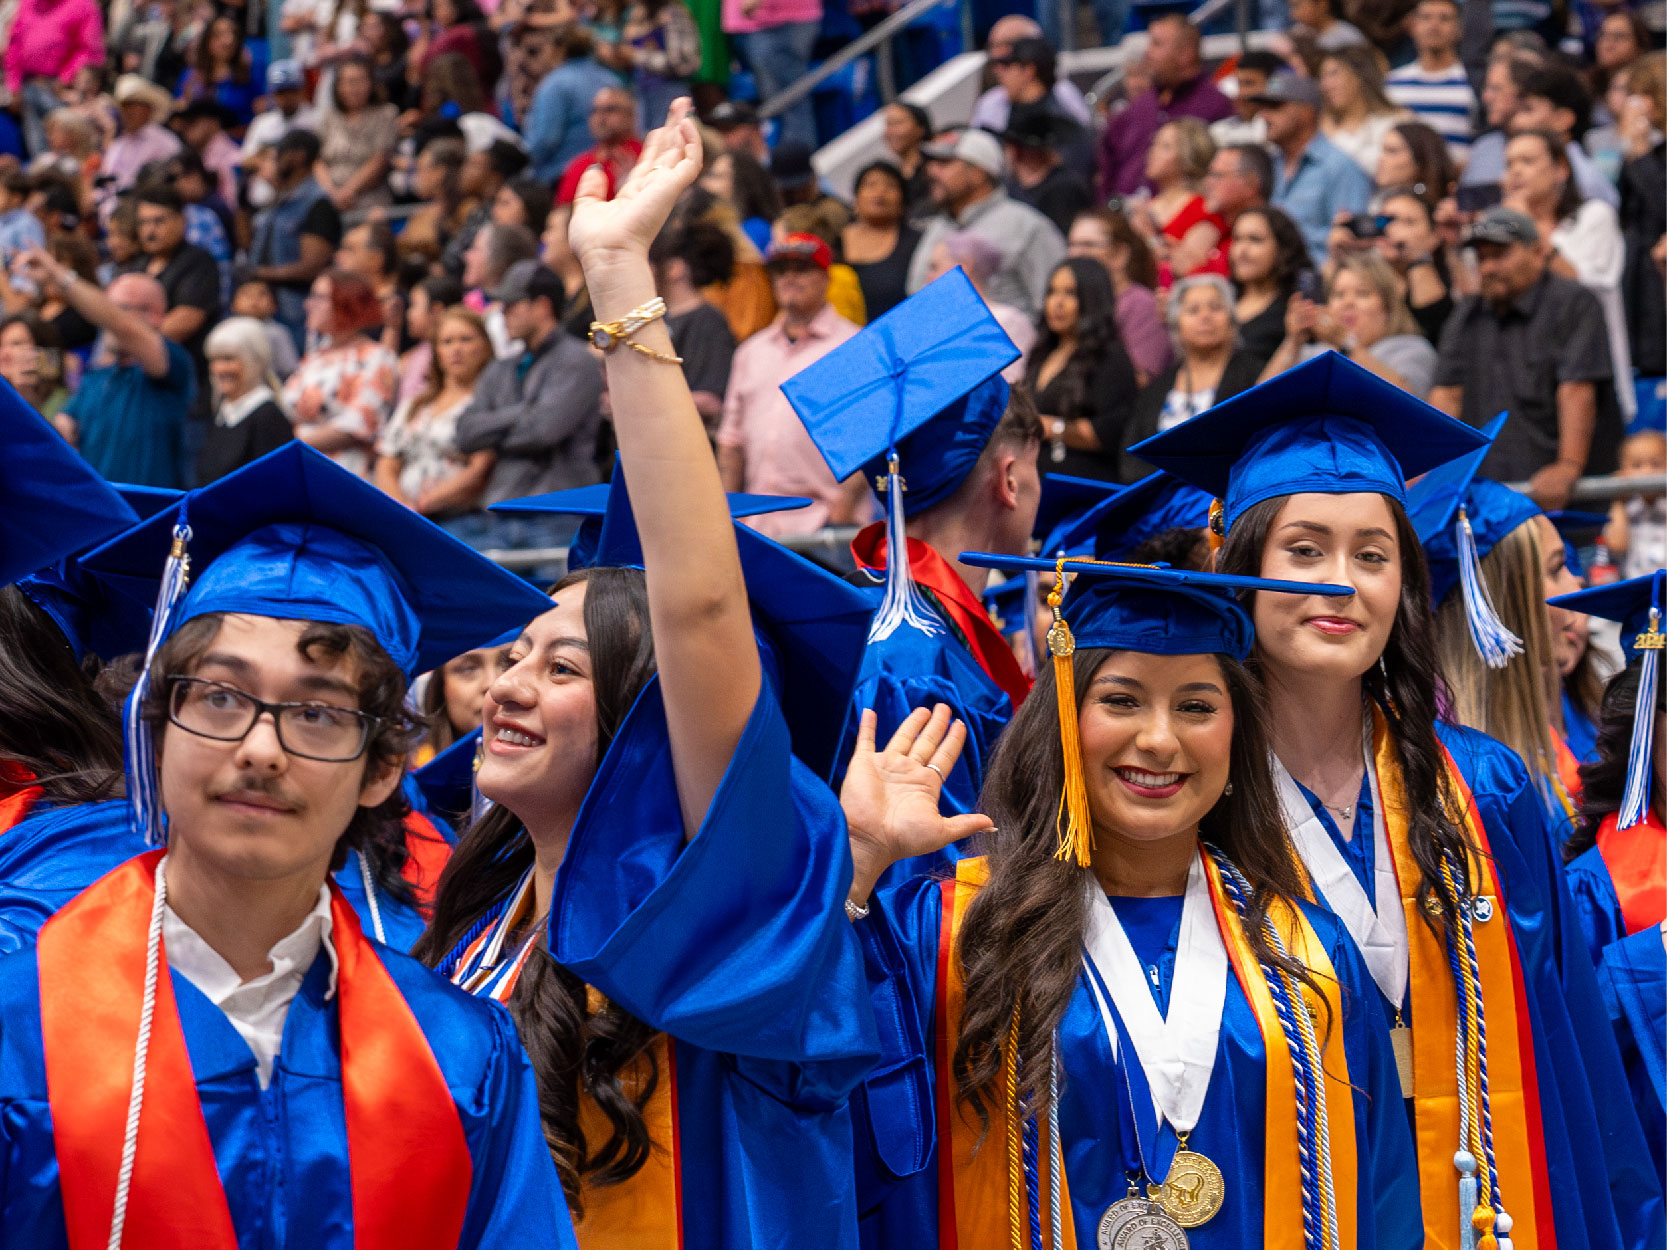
[(476, 962)]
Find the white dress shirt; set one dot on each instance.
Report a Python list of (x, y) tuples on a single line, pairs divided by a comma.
[(256, 1008)]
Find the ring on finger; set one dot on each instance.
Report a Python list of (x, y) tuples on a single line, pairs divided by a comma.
[(937, 770)]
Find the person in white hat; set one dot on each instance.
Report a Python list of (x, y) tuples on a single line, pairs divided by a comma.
[(144, 107), (966, 181)]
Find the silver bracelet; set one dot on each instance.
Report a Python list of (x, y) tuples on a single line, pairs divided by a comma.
[(853, 912)]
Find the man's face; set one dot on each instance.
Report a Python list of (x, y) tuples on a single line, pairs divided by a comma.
[(161, 229), (1168, 55), (290, 168), (952, 182), (288, 100), (1434, 27), (1499, 94), (1228, 190), (1508, 269), (357, 255), (1538, 113), (1252, 82), (136, 115), (612, 117), (477, 176), (800, 287), (199, 132), (251, 809), (520, 319), (1287, 121)]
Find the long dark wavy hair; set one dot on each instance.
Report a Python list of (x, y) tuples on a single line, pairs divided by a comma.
[(53, 721), (573, 1051), (1097, 337), (1021, 941), (1603, 781), (1404, 685)]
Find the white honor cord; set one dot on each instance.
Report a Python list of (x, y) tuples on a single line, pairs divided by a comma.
[(370, 895), (1380, 929), (1177, 1053), (1056, 1151), (141, 1048)]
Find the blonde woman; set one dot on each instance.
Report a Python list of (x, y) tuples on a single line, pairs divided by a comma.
[(248, 421), (417, 459), (1356, 114), (1180, 230)]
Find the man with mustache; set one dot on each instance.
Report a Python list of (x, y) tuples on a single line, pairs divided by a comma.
[(203, 1048)]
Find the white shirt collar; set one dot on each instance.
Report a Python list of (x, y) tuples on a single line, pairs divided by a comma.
[(232, 411)]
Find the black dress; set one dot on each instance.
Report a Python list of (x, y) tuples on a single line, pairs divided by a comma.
[(1240, 375), (1263, 333), (885, 282), (228, 447), (1110, 401)]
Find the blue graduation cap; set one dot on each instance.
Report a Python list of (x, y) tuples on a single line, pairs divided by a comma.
[(293, 535), (447, 781), (1638, 604), (812, 625), (912, 401), (1114, 528), (1577, 529), (1327, 426), (55, 504), (1132, 607), (1459, 518), (1064, 500)]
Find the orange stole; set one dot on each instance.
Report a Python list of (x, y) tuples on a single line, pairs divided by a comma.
[(426, 853), (973, 1182), (1514, 1091), (409, 1163), (1281, 1169), (1568, 767), (18, 794), (1637, 862), (645, 1212)]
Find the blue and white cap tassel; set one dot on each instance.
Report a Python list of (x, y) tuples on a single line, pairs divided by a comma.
[(903, 604), (139, 757), (1496, 644), (1635, 800)]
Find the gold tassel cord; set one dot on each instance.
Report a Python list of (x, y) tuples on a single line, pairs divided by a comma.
[(1015, 1133), (1073, 822)]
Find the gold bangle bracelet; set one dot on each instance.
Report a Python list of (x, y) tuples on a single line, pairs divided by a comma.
[(607, 335)]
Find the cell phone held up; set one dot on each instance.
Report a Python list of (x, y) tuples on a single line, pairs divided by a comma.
[(1478, 198)]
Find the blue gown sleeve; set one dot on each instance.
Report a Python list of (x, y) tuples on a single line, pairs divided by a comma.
[(515, 1198), (1592, 891), (1633, 978), (737, 941)]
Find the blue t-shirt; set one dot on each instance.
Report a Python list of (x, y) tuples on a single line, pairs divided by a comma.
[(133, 425)]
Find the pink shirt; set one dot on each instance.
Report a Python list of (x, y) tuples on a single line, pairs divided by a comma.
[(130, 153), (780, 458), (53, 39), (737, 21)]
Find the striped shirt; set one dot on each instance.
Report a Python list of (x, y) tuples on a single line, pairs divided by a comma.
[(1442, 99)]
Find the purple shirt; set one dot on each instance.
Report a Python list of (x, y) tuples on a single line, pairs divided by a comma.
[(1130, 134), (1141, 325)]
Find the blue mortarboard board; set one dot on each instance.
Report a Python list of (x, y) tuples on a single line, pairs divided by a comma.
[(1005, 603), (1638, 604), (307, 540), (147, 501), (813, 625), (1064, 500), (1327, 426), (447, 781), (1577, 529), (55, 504), (1113, 529), (912, 401)]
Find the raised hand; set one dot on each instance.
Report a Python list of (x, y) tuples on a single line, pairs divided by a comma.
[(890, 797), (604, 231)]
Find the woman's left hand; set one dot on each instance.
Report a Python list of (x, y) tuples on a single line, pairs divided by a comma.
[(890, 797), (601, 231)]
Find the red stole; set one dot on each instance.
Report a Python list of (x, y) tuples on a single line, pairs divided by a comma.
[(426, 853), (408, 1161), (1568, 767), (18, 794), (957, 602), (1637, 863)]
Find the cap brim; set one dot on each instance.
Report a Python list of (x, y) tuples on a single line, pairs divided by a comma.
[(1618, 601)]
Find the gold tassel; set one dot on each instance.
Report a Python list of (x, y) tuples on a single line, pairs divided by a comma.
[(1015, 1132), (1217, 526), (1073, 822)]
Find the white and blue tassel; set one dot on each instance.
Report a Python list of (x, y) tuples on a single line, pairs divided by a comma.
[(1635, 801), (139, 756), (903, 603), (1494, 643)]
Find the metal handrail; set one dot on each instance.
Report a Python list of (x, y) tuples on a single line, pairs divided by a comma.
[(792, 94)]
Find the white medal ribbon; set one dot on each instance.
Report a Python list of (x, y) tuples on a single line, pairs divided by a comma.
[(1381, 931), (1177, 1054)]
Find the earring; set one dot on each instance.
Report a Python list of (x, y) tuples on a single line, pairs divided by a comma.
[(1227, 789)]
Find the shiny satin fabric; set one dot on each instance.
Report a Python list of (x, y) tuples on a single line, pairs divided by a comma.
[(736, 945), (1604, 1193), (1633, 978), (1617, 884), (282, 1152), (51, 857), (897, 1113)]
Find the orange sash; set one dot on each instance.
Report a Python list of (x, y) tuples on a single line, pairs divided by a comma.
[(426, 853), (1568, 768), (18, 794), (408, 1161), (1637, 863), (973, 1182), (1513, 1086)]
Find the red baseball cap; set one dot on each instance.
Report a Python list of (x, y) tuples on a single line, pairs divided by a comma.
[(800, 247)]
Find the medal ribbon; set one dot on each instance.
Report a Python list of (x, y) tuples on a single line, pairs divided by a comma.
[(1637, 862), (481, 970), (1512, 1083), (1128, 1127), (408, 1160), (1379, 929), (955, 598)]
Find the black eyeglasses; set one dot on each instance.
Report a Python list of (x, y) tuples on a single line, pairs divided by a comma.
[(313, 731)]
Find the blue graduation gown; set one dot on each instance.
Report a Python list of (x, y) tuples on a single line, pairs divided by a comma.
[(1633, 977), (1579, 731), (736, 945), (282, 1151), (50, 858), (1605, 1193), (911, 669), (897, 1169), (1596, 905)]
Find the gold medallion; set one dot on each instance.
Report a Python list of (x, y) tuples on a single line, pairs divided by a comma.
[(1193, 1191)]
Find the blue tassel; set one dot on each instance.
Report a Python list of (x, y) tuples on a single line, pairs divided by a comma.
[(903, 604), (1635, 801), (1494, 643), (139, 754)]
